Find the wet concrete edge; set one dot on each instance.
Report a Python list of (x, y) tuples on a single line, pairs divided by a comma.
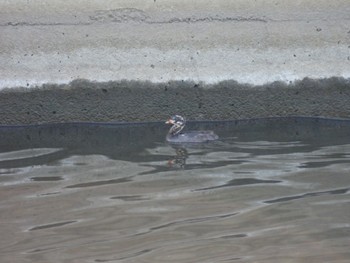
[(139, 101)]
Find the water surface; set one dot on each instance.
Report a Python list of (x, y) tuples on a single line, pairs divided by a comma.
[(274, 190)]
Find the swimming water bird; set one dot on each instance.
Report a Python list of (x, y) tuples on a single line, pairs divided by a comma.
[(176, 136)]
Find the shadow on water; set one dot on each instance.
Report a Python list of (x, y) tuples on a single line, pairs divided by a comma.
[(125, 141)]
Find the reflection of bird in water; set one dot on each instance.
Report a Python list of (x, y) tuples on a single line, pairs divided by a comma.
[(179, 160), (175, 136)]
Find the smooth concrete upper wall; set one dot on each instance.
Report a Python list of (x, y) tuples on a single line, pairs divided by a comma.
[(250, 41)]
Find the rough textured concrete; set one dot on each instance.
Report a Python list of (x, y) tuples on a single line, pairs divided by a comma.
[(83, 101), (185, 48), (250, 41)]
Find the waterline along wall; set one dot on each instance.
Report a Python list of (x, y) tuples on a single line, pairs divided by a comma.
[(139, 60), (84, 101)]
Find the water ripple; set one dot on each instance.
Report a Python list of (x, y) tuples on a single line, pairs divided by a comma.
[(191, 221), (51, 225), (135, 254), (313, 194), (240, 182), (111, 193), (100, 183)]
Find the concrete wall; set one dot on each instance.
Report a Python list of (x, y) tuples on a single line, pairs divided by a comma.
[(198, 42), (83, 101)]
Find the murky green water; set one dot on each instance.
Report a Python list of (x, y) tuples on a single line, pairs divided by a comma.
[(272, 190)]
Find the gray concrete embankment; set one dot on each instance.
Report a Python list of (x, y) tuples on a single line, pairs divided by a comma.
[(185, 48), (84, 101)]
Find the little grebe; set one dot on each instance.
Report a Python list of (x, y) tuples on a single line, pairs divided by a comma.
[(175, 136)]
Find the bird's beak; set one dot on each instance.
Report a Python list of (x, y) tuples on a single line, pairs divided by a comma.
[(170, 121)]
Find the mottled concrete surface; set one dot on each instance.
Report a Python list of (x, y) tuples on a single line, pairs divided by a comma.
[(199, 42), (83, 101)]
